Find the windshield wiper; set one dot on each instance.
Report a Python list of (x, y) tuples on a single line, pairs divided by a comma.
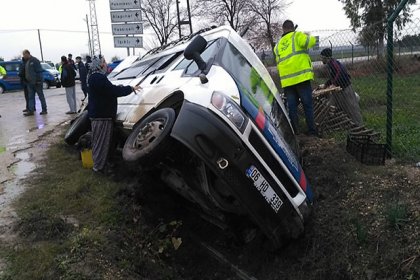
[(125, 78)]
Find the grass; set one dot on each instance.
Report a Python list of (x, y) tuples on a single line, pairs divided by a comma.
[(73, 214), (397, 215), (372, 89)]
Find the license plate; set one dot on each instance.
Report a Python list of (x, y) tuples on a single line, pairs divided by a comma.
[(261, 184)]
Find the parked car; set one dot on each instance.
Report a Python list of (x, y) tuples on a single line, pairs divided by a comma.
[(12, 81), (112, 65), (51, 76), (211, 121)]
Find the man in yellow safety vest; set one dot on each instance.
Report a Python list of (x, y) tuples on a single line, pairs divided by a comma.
[(2, 71), (295, 70)]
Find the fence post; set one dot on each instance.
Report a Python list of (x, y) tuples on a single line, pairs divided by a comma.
[(390, 74)]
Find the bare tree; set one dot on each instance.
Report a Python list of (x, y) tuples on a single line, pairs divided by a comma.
[(161, 16), (236, 13), (268, 27)]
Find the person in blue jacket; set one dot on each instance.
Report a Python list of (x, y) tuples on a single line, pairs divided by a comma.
[(82, 75), (102, 110)]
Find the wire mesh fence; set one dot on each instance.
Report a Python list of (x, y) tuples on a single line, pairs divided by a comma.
[(365, 55)]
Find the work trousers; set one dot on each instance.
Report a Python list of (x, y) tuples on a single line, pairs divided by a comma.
[(300, 92), (32, 89)]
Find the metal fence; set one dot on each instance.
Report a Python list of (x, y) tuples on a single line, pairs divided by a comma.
[(367, 60)]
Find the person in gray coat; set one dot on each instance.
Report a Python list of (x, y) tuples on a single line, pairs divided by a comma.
[(34, 79)]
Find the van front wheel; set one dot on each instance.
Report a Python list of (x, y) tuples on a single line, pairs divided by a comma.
[(150, 138)]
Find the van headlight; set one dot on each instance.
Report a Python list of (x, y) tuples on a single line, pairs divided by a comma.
[(230, 109)]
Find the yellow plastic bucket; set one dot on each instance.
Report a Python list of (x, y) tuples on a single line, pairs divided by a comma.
[(87, 159)]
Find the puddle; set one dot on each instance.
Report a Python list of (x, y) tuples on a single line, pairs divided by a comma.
[(40, 126), (24, 166)]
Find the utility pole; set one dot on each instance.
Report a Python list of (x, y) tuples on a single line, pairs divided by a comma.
[(90, 52), (40, 45), (181, 22), (96, 44)]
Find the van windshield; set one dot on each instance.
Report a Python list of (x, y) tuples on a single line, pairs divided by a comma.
[(144, 67)]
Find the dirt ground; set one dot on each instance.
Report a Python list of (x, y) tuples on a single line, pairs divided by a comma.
[(365, 225)]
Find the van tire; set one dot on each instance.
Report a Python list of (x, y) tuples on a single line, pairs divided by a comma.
[(78, 127), (150, 138), (2, 89)]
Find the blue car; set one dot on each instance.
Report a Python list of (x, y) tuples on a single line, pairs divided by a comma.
[(12, 81)]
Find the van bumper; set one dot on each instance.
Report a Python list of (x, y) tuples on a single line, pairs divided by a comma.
[(211, 139)]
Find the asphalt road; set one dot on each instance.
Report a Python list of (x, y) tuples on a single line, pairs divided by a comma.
[(19, 135)]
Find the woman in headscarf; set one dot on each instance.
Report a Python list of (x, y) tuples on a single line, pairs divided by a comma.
[(102, 100)]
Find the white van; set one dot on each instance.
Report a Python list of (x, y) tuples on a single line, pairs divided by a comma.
[(210, 119)]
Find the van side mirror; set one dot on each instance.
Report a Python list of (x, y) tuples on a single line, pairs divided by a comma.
[(193, 52)]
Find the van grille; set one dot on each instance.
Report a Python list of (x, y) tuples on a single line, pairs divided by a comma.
[(274, 165)]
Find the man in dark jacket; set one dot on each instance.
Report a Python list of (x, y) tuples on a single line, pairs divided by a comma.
[(24, 84), (33, 76), (103, 110), (346, 100), (68, 81), (82, 75)]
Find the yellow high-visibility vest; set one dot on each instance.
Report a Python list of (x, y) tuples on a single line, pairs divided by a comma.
[(293, 61), (2, 71)]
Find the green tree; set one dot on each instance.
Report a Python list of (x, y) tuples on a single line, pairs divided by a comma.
[(371, 16), (268, 28), (236, 13), (161, 16), (115, 58)]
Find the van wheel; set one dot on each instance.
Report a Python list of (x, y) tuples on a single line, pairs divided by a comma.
[(45, 85), (150, 138), (2, 90), (79, 126)]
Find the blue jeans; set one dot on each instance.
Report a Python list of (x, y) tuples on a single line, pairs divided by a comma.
[(31, 97), (302, 92)]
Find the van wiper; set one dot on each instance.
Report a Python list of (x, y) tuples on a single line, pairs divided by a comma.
[(125, 78), (147, 75)]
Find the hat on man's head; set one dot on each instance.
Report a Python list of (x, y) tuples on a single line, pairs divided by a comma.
[(326, 52), (288, 24), (78, 57)]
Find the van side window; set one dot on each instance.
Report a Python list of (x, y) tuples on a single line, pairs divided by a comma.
[(256, 90)]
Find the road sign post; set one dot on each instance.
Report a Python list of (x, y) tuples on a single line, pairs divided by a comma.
[(126, 15)]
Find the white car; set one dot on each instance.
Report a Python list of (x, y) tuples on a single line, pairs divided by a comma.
[(210, 119)]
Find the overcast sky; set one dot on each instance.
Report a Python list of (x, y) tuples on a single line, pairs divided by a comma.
[(63, 27)]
